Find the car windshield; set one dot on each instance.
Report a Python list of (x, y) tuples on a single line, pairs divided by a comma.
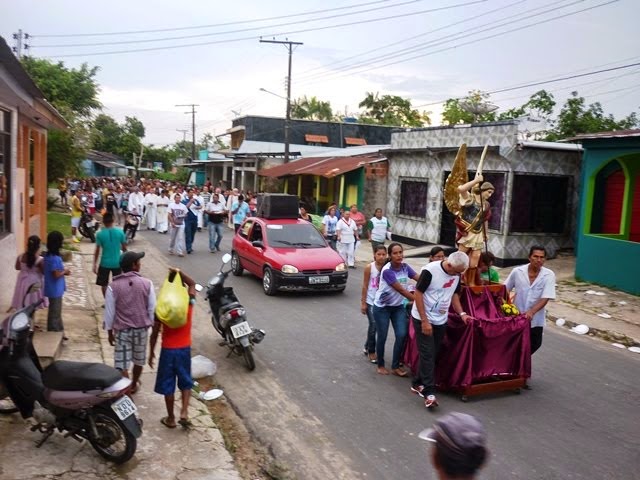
[(298, 236)]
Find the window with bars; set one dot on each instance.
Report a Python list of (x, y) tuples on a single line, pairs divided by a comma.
[(413, 198)]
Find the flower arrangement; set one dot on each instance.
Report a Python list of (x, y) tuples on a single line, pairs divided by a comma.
[(509, 309)]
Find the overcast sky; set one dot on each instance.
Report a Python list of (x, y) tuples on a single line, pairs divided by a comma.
[(424, 50)]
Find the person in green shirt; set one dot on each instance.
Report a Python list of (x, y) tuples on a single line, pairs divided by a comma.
[(488, 274), (110, 240)]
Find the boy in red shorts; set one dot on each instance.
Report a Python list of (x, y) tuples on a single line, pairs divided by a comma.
[(175, 359)]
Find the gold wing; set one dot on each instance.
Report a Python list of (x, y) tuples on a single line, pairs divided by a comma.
[(458, 176)]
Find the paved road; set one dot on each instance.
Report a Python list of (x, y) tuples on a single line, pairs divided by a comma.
[(324, 411)]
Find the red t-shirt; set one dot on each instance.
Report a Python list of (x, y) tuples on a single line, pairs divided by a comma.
[(178, 337)]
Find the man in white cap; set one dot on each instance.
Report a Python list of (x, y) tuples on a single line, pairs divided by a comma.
[(460, 446)]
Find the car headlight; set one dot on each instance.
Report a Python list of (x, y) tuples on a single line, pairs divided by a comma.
[(341, 267), (289, 269)]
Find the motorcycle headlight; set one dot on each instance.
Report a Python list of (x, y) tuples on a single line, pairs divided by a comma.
[(20, 321), (341, 267), (289, 269)]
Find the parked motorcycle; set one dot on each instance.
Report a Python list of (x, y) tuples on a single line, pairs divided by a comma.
[(83, 400), (88, 226), (229, 318)]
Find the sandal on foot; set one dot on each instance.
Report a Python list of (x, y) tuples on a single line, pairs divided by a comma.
[(373, 358), (399, 372), (185, 423), (382, 371), (165, 422), (135, 388)]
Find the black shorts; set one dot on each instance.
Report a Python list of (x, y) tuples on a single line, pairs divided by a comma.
[(103, 275)]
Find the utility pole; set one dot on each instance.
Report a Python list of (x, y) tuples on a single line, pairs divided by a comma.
[(193, 127), (19, 37), (287, 119)]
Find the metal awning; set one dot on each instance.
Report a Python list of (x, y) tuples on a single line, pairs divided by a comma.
[(108, 164), (328, 167)]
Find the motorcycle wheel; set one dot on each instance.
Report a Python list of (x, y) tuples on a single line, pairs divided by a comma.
[(248, 358), (114, 442), (91, 234), (7, 406)]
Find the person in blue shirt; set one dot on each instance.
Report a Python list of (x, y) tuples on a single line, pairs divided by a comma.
[(54, 282), (240, 210), (193, 205)]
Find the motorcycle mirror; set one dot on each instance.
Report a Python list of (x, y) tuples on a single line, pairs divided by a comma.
[(199, 287), (226, 258)]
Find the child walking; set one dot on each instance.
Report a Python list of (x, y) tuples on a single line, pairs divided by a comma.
[(370, 283), (31, 267), (175, 360), (54, 282)]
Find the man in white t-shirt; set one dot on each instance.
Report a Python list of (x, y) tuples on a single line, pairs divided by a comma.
[(177, 213), (438, 287)]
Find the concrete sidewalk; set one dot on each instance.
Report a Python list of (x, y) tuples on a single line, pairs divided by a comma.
[(162, 453), (610, 315)]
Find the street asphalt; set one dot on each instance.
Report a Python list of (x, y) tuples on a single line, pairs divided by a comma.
[(322, 409)]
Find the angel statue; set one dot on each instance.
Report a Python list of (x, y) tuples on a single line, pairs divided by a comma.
[(468, 201)]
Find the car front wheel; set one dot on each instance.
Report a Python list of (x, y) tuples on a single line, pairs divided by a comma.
[(236, 268), (269, 282)]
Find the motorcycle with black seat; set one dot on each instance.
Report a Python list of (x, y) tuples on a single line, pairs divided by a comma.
[(85, 401), (229, 317)]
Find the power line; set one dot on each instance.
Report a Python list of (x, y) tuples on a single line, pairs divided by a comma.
[(534, 84), (168, 47), (474, 41), (413, 37), (196, 27), (242, 30)]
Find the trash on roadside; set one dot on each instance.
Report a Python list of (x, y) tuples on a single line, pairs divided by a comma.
[(618, 345), (580, 329), (634, 349), (622, 302), (593, 292), (560, 322), (211, 394), (202, 367), (604, 315)]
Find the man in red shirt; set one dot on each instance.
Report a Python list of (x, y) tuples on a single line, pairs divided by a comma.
[(175, 359)]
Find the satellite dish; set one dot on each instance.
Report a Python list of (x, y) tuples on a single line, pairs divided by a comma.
[(237, 113), (529, 126), (477, 108)]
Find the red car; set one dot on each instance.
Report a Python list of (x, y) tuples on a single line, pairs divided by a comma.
[(288, 254)]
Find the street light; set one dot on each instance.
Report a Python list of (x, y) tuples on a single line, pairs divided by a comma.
[(272, 93)]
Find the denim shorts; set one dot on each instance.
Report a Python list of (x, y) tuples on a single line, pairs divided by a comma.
[(174, 363)]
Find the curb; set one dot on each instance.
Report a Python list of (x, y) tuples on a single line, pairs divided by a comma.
[(606, 335)]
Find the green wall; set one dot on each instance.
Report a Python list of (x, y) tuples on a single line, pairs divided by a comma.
[(608, 260)]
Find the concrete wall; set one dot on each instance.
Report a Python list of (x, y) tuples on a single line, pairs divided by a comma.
[(375, 188), (505, 157)]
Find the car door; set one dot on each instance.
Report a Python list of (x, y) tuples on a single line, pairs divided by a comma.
[(257, 254), (241, 244)]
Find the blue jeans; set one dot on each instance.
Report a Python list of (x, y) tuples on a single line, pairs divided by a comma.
[(370, 343), (398, 318), (190, 227), (215, 235)]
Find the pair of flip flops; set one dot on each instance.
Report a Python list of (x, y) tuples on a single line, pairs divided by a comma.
[(183, 422)]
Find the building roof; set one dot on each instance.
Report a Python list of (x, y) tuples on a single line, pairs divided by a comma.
[(609, 134), (253, 147), (17, 71), (323, 166)]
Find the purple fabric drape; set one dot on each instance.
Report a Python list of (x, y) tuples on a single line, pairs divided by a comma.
[(493, 344)]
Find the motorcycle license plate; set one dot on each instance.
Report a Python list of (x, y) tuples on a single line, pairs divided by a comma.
[(240, 330), (317, 280), (90, 224), (124, 407)]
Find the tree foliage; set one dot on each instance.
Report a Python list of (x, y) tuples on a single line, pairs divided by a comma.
[(74, 93), (311, 109), (577, 117), (121, 139), (391, 110), (67, 89)]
